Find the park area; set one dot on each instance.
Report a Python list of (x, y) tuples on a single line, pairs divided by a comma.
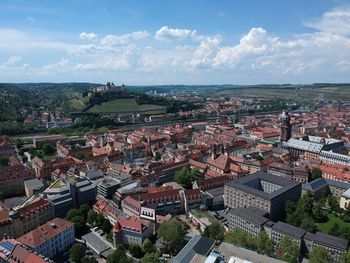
[(327, 227), (127, 106)]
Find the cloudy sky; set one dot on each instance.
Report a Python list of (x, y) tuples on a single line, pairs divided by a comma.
[(175, 41)]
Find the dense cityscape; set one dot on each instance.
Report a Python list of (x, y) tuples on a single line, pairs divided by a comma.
[(174, 132), (235, 183)]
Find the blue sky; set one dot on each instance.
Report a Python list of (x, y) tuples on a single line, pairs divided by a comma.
[(175, 42)]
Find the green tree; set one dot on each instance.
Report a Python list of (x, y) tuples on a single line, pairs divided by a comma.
[(79, 224), (119, 255), (109, 237), (135, 250), (48, 148), (84, 210), (264, 244), (241, 238), (288, 250), (289, 209), (184, 177), (333, 203), (319, 255), (99, 220), (77, 252), (80, 155), (308, 224), (91, 217), (147, 246), (157, 156), (87, 259), (150, 258), (345, 257), (215, 231), (72, 213), (196, 174), (4, 161), (18, 143), (172, 233), (316, 173), (335, 230), (345, 232), (106, 226), (318, 214)]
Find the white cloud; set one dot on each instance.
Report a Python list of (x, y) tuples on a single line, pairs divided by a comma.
[(254, 43), (88, 36), (166, 34), (30, 19), (204, 53), (14, 61), (258, 56), (335, 21), (111, 40)]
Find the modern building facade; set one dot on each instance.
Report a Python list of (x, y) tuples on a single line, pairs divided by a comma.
[(265, 191), (250, 220), (253, 221)]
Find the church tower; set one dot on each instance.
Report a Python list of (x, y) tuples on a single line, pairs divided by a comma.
[(286, 127)]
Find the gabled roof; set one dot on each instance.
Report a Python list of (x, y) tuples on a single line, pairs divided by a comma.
[(213, 182), (198, 245), (131, 224), (44, 232), (222, 162)]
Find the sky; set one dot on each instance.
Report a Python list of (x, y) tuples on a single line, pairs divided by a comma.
[(153, 42)]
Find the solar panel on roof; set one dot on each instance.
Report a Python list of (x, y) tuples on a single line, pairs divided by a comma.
[(7, 245)]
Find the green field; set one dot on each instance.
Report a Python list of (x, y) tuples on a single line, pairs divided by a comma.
[(126, 106), (299, 93), (332, 219), (79, 102)]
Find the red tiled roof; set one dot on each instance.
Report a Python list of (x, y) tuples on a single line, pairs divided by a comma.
[(131, 201), (212, 173), (44, 232), (15, 172), (158, 196), (131, 224), (198, 164), (222, 162), (36, 205), (214, 182), (32, 258), (100, 205), (192, 193)]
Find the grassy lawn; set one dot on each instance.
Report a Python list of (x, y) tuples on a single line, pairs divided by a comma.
[(325, 227), (77, 104), (126, 106)]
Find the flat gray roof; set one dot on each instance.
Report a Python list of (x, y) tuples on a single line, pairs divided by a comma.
[(243, 184), (95, 243), (252, 214), (288, 229), (34, 183), (229, 250), (331, 241), (197, 245)]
